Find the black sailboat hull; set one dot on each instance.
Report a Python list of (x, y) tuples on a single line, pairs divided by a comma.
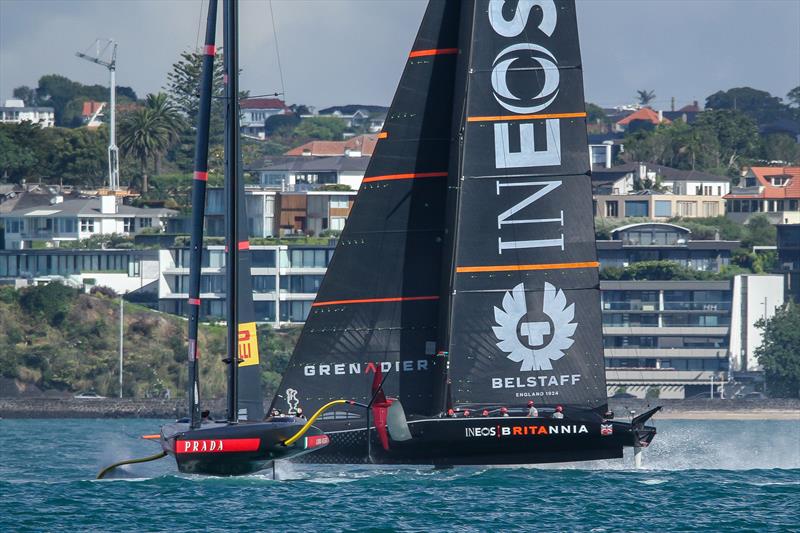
[(483, 441), (222, 449)]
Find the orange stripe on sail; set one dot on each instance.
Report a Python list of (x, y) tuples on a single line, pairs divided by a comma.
[(433, 52), (499, 118), (375, 300), (389, 177), (518, 268)]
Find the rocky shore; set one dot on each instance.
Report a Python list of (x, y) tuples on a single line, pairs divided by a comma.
[(698, 409)]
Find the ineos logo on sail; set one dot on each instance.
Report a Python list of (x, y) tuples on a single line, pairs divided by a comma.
[(504, 62), (527, 156)]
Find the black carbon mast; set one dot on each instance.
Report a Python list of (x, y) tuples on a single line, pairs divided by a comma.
[(198, 210), (245, 396)]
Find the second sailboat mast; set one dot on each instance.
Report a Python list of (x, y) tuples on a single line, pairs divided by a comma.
[(231, 50)]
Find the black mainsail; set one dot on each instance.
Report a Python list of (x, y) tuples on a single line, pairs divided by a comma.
[(379, 303), (467, 272)]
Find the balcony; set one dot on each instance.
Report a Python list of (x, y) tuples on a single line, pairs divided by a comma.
[(630, 306), (697, 306), (710, 331), (662, 376), (668, 306), (668, 353)]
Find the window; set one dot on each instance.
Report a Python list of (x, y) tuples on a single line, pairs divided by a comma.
[(264, 283), (612, 209), (145, 222), (295, 311), (301, 284), (128, 225), (686, 209), (663, 208), (16, 225), (637, 208), (310, 258), (263, 258), (87, 225), (710, 209), (338, 202), (337, 223), (265, 311)]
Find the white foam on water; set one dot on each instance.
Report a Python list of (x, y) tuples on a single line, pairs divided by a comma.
[(652, 481), (723, 445)]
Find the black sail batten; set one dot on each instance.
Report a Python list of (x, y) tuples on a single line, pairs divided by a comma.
[(379, 301), (198, 211), (525, 319)]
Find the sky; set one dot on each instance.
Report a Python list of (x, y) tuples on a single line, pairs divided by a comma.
[(336, 52)]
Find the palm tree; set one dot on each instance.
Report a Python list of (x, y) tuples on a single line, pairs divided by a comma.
[(645, 96), (167, 116), (141, 136)]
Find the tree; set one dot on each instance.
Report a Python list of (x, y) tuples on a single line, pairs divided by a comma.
[(735, 134), (320, 128), (779, 353), (794, 97), (183, 91), (645, 96), (142, 135), (761, 106), (27, 95), (759, 232), (17, 160), (780, 147), (168, 118)]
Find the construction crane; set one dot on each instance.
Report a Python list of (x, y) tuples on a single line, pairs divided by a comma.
[(104, 48)]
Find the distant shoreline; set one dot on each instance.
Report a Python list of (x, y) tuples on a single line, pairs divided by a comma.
[(702, 409)]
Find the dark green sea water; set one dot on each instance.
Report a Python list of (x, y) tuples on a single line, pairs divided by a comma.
[(699, 475)]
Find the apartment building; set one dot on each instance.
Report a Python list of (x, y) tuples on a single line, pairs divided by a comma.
[(124, 271), (678, 339), (285, 279), (654, 241)]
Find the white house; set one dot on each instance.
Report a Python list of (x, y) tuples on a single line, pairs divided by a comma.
[(256, 111), (15, 112), (309, 173), (72, 220)]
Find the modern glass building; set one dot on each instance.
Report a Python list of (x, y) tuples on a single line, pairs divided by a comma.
[(285, 281)]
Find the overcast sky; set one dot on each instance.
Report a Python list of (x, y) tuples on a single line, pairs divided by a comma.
[(353, 51)]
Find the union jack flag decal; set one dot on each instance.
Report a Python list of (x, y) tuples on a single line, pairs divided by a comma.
[(606, 430)]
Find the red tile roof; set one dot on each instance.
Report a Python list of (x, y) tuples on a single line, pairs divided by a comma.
[(773, 192), (363, 143), (644, 113), (262, 103), (89, 107)]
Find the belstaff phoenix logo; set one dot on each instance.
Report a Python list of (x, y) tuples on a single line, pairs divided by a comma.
[(545, 340)]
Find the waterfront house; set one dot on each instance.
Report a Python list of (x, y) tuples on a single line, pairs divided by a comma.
[(657, 192), (76, 219), (771, 191)]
